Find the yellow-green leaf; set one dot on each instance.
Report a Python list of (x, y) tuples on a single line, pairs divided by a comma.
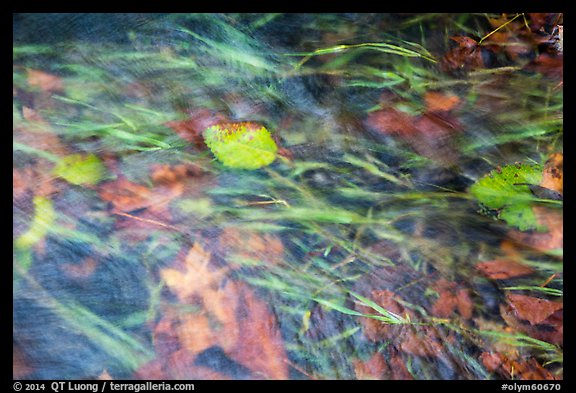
[(44, 216), (80, 169), (243, 145)]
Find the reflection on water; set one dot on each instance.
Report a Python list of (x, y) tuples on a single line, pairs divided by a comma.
[(357, 254)]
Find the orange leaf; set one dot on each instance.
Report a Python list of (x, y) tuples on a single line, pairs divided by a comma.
[(244, 245), (452, 299), (232, 317), (502, 269), (514, 368), (373, 368), (440, 102), (260, 346), (125, 195), (44, 81), (195, 333), (421, 341), (391, 121), (553, 219), (532, 309), (191, 129), (553, 174), (467, 55), (196, 278)]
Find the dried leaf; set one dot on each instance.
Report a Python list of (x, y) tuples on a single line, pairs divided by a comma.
[(553, 174), (245, 247), (440, 102), (514, 368), (532, 309), (196, 278), (451, 299), (373, 368), (44, 81), (376, 330), (195, 333), (466, 56), (549, 65), (391, 121), (421, 341), (125, 195), (260, 346), (503, 269), (553, 220), (191, 129), (231, 317)]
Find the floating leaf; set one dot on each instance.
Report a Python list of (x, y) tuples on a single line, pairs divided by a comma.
[(507, 189), (243, 145), (44, 216), (80, 169)]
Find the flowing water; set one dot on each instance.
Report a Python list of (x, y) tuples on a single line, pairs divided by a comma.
[(359, 253)]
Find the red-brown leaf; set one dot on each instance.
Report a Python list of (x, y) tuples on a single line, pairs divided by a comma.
[(44, 81), (440, 102), (553, 174), (391, 121), (532, 309), (467, 55), (503, 269), (452, 298), (191, 129), (373, 368)]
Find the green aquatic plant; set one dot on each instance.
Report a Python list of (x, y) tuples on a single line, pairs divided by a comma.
[(506, 190), (243, 145)]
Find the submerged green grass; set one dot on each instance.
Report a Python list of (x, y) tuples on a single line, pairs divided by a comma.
[(370, 202)]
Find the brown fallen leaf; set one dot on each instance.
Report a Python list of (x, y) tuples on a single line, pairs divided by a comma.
[(376, 330), (196, 277), (230, 317), (440, 102), (191, 128), (467, 55), (503, 269), (259, 346), (125, 195), (514, 368), (532, 309), (550, 65), (553, 174), (452, 298), (553, 239), (390, 121), (398, 365), (247, 247), (421, 341), (44, 81), (373, 368), (411, 339)]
